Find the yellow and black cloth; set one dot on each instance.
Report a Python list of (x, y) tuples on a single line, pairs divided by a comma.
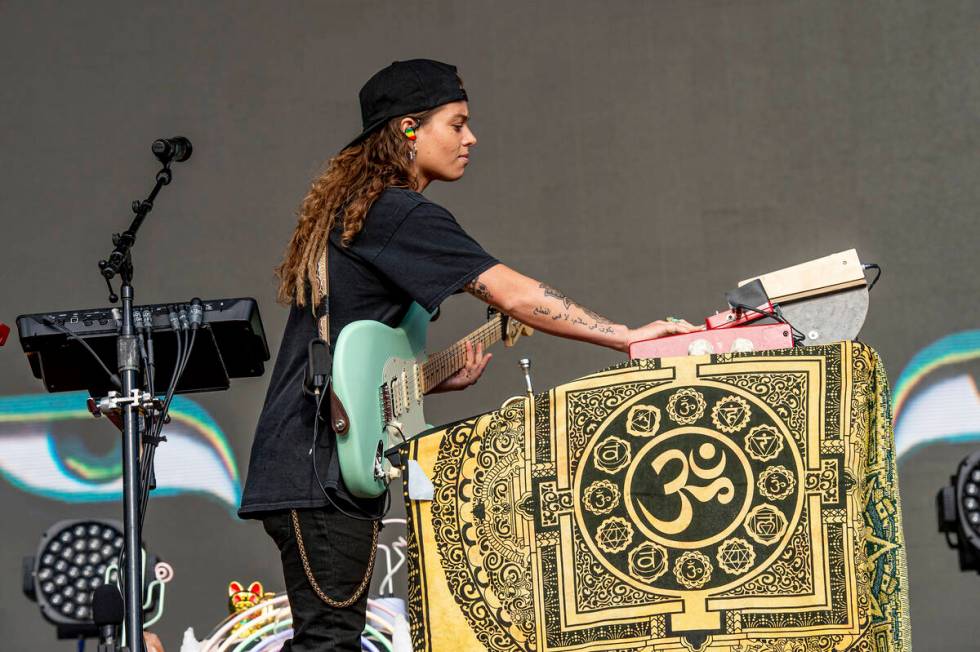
[(736, 503)]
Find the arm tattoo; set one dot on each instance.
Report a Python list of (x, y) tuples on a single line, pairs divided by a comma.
[(538, 310), (478, 290), (596, 316), (557, 294)]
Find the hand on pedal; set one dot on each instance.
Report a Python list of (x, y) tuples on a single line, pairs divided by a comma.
[(660, 328)]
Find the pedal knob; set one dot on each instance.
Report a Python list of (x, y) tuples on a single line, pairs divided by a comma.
[(700, 347)]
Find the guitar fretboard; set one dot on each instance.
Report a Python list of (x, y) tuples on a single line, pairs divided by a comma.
[(444, 364)]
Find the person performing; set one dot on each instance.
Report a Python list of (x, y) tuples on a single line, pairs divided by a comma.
[(388, 247)]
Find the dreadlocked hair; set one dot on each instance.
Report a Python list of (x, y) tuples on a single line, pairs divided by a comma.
[(345, 191)]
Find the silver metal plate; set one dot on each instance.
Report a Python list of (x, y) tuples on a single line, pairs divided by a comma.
[(831, 317)]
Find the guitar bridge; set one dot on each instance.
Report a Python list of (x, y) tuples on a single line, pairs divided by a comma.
[(387, 409)]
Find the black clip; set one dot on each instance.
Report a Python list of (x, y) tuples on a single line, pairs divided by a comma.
[(317, 367)]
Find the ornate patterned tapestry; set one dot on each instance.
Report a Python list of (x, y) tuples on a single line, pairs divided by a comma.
[(736, 503)]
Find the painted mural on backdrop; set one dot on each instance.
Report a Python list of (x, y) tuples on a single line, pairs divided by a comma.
[(928, 411), (50, 445)]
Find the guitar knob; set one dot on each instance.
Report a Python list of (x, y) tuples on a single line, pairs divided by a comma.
[(395, 427)]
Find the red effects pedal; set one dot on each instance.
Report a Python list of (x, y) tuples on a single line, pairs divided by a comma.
[(739, 339)]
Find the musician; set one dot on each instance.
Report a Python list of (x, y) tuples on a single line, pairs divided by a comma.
[(388, 246)]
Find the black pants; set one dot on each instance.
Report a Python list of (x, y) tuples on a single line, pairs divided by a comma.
[(338, 549)]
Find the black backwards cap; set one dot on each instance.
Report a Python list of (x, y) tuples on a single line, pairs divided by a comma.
[(406, 87)]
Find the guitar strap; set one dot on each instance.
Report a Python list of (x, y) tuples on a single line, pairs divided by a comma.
[(321, 308), (321, 313)]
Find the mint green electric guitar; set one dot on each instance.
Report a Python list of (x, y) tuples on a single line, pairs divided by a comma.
[(380, 375)]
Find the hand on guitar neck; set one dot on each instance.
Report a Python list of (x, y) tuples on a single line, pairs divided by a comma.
[(475, 362), (544, 308)]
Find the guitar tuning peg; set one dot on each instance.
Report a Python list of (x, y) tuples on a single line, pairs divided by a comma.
[(525, 364)]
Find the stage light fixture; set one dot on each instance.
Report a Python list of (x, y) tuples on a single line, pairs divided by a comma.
[(958, 507), (72, 560)]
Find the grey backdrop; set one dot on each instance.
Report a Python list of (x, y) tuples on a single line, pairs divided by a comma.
[(642, 156)]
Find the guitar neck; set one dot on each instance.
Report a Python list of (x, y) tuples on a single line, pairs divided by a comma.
[(444, 364)]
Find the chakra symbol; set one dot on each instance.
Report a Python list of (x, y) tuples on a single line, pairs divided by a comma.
[(612, 455), (643, 420), (601, 497), (763, 443), (776, 482), (686, 406), (735, 556), (730, 414), (693, 569), (614, 534), (648, 561), (766, 524)]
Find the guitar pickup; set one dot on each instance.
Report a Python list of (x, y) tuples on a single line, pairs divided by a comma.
[(404, 391), (418, 384)]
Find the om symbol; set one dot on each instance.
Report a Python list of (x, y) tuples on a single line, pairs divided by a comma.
[(688, 488), (693, 570), (601, 497), (686, 406), (776, 482), (720, 489)]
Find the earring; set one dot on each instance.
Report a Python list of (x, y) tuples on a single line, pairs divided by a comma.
[(410, 134)]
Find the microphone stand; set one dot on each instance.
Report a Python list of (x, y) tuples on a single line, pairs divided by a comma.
[(120, 262)]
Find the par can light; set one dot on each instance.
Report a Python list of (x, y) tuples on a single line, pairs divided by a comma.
[(71, 562), (958, 507)]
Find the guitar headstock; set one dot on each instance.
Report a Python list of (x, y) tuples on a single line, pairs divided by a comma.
[(510, 329)]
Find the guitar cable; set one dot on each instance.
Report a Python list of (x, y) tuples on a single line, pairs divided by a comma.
[(777, 314), (185, 345), (320, 395), (376, 525), (154, 424), (873, 266)]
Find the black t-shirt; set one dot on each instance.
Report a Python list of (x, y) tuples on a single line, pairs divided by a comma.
[(409, 249)]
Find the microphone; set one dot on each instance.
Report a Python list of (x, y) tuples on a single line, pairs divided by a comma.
[(107, 613), (177, 149)]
